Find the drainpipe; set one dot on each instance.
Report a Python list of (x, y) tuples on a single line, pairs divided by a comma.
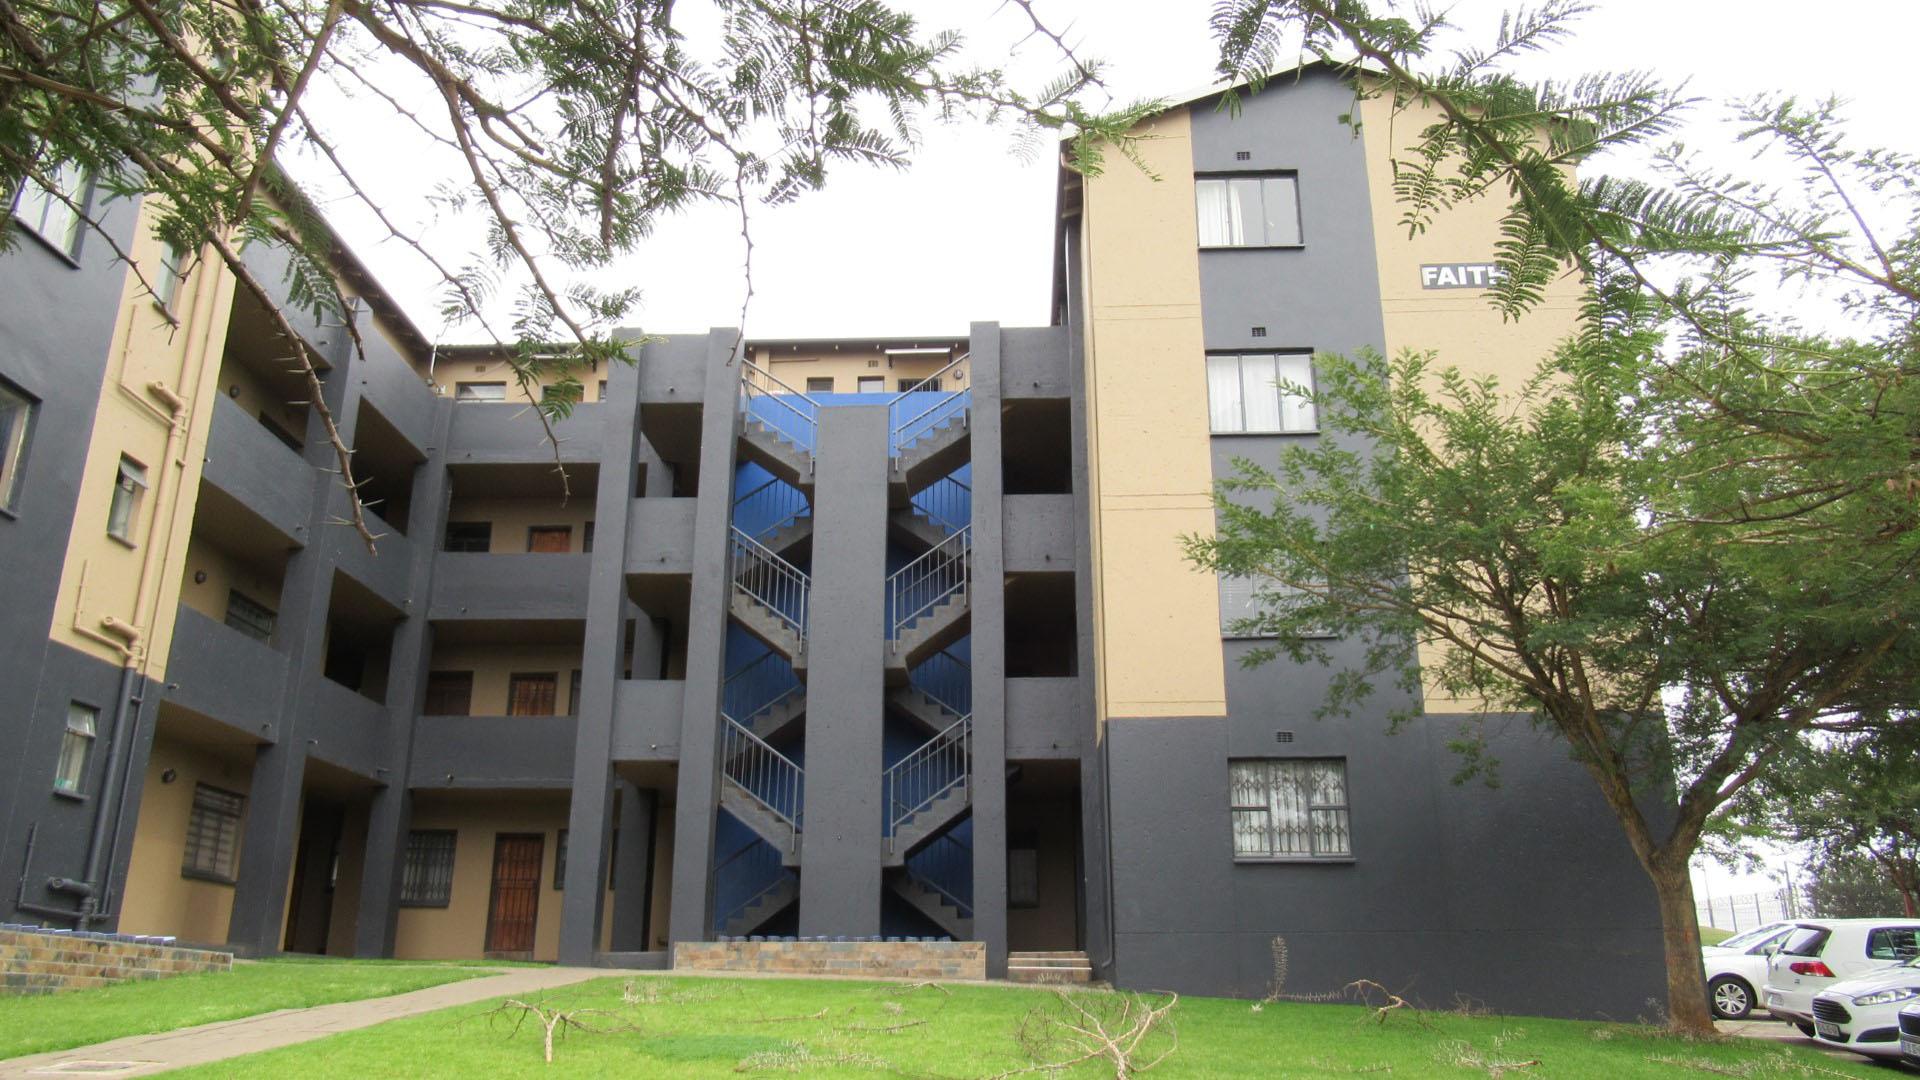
[(90, 887)]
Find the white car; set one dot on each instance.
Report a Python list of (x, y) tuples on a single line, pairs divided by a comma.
[(1863, 1014), (1737, 968), (1910, 1035), (1822, 952)]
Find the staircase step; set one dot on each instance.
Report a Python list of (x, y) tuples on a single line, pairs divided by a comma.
[(1048, 975)]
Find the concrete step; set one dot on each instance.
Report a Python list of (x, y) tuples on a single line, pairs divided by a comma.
[(775, 453), (771, 903), (928, 901), (946, 623), (740, 802), (1049, 967), (933, 455), (932, 716), (762, 622)]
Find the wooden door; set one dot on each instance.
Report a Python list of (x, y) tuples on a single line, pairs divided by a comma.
[(532, 695), (449, 693), (515, 905), (550, 538)]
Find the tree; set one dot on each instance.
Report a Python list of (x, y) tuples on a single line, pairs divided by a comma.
[(569, 126), (1849, 887), (1686, 546)]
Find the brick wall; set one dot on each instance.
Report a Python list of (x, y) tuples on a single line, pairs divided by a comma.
[(42, 963), (880, 959)]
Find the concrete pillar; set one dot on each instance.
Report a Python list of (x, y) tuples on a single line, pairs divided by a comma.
[(697, 800), (846, 666), (601, 662), (989, 654), (631, 861)]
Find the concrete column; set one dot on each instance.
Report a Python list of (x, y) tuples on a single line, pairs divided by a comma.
[(846, 674), (989, 604), (697, 800), (601, 661), (631, 861)]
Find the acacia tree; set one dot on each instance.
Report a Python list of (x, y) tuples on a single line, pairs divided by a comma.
[(572, 127), (1687, 545)]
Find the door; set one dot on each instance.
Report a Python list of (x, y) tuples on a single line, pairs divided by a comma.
[(515, 904), (556, 539), (532, 694)]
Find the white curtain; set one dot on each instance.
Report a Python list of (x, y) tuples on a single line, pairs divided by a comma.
[(1217, 225), (1224, 405), (1296, 410), (1263, 394), (1282, 210)]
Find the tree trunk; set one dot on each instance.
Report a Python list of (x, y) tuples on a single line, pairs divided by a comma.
[(1688, 1012)]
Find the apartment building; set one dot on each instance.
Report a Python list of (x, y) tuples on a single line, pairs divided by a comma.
[(856, 637)]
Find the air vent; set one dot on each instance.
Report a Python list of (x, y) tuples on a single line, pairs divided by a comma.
[(1283, 736), (1259, 331), (1243, 155), (873, 363)]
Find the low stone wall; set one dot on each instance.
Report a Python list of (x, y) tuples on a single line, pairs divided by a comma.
[(37, 962), (880, 959)]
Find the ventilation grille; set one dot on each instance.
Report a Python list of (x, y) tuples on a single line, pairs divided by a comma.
[(1283, 736), (1259, 331), (1243, 155)]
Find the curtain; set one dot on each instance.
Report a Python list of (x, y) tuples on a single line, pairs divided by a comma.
[(1223, 393), (1216, 221), (1258, 375), (1296, 410)]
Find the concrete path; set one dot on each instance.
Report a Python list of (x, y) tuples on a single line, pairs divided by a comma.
[(141, 1055)]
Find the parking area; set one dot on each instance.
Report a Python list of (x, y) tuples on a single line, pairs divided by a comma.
[(1761, 1026)]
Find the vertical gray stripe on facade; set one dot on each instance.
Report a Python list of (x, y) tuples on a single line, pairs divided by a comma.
[(989, 596)]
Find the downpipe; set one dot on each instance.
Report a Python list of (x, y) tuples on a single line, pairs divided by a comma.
[(102, 839)]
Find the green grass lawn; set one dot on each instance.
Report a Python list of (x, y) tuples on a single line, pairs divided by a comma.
[(32, 1025), (1713, 935), (686, 1027)]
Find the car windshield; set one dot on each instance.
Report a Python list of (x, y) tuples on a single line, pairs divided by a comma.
[(1753, 937)]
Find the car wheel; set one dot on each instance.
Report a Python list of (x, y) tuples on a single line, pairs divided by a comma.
[(1732, 998), (1805, 1028)]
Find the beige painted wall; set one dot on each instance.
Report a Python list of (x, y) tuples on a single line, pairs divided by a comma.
[(247, 390), (493, 667), (158, 900), (447, 374), (105, 581), (1458, 324), (1156, 618), (848, 364), (224, 574), (512, 517)]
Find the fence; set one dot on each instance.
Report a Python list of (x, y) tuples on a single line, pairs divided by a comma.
[(1737, 913)]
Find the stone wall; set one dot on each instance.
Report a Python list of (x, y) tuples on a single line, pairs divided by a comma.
[(34, 962), (879, 959)]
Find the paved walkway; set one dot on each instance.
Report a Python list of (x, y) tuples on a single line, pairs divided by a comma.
[(141, 1055)]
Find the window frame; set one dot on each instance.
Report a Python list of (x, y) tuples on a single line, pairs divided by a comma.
[(462, 395), (423, 878), (15, 440), (517, 679), (879, 384), (232, 815), (429, 698), (1281, 397), (1227, 177), (814, 387), (172, 275), (447, 541), (1227, 631), (77, 187), (130, 482), (252, 629), (1312, 807), (73, 783)]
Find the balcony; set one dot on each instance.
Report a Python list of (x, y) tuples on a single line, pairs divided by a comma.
[(387, 570), (348, 730), (391, 385), (1038, 532), (492, 752), (1045, 719), (225, 675), (510, 433), (1035, 363), (660, 536), (531, 586), (646, 719), (247, 462)]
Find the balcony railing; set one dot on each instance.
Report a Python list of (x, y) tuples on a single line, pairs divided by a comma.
[(947, 503), (789, 412), (911, 419), (757, 687), (767, 776), (941, 766), (771, 581), (741, 879), (946, 679), (769, 508), (946, 867), (917, 588)]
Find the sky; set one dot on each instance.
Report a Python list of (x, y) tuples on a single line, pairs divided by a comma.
[(965, 234)]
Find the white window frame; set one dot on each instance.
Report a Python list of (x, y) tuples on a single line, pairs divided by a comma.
[(1319, 825), (1222, 211), (870, 384), (76, 749), (129, 489), (1232, 405), (470, 392), (48, 216), (1240, 598), (173, 263), (17, 409)]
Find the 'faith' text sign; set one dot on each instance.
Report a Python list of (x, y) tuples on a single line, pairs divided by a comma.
[(1478, 275)]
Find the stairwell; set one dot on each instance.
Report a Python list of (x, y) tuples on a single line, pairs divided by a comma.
[(1049, 967)]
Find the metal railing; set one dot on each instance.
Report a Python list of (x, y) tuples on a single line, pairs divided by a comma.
[(743, 878), (928, 581), (942, 765), (769, 508), (947, 503), (789, 412), (757, 687), (771, 581), (910, 420), (766, 775), (946, 867), (946, 679)]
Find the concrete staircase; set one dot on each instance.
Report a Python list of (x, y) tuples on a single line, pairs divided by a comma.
[(769, 626), (735, 799), (932, 903), (774, 721), (782, 894), (932, 455), (774, 452), (938, 627), (928, 824), (1066, 968), (916, 529), (921, 708), (791, 541)]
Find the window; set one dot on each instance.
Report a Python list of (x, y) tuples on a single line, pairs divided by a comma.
[(54, 217), (820, 384), (603, 391), (76, 746), (213, 834), (1290, 809), (560, 862), (128, 487), (426, 876), (16, 417), (573, 694), (1248, 211), (475, 536), (1806, 941), (550, 539), (1243, 598), (166, 282), (1893, 943), (586, 539), (449, 693), (872, 384), (480, 391), (909, 385), (248, 616), (1245, 396), (531, 695)]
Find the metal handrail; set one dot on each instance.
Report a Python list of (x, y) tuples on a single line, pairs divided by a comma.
[(764, 774), (926, 582), (756, 381), (946, 680), (905, 432), (758, 687), (755, 861), (917, 781), (945, 866), (771, 581), (777, 500), (947, 503)]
